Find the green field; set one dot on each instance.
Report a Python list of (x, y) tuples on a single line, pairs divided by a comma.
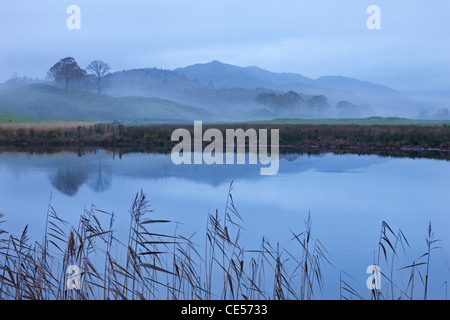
[(368, 121), (14, 118)]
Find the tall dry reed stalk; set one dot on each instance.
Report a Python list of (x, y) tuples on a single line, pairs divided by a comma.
[(160, 265)]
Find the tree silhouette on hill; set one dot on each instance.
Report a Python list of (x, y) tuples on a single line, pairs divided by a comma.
[(66, 70)]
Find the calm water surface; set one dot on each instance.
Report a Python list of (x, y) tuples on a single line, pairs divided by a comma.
[(348, 197)]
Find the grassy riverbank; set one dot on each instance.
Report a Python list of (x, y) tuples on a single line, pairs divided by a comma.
[(308, 136)]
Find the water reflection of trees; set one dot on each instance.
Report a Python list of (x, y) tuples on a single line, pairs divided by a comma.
[(100, 179), (69, 178)]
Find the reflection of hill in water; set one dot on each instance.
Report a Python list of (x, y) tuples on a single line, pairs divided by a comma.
[(68, 172)]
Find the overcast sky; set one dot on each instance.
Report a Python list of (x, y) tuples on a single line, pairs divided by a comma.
[(313, 38)]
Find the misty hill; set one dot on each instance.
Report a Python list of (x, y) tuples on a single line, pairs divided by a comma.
[(50, 102), (230, 90), (336, 88), (222, 75), (150, 81), (177, 86)]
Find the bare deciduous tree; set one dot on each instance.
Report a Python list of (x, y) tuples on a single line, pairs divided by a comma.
[(100, 71)]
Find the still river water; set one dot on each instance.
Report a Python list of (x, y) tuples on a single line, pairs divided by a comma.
[(348, 197)]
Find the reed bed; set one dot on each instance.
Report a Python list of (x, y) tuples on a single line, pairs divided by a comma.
[(316, 136), (391, 246), (80, 262)]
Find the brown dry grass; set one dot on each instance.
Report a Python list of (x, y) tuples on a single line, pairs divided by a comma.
[(361, 137)]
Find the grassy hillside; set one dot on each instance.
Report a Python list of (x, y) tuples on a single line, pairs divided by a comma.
[(48, 102), (368, 121)]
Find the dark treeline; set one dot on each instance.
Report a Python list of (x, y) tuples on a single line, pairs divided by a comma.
[(293, 103), (67, 71)]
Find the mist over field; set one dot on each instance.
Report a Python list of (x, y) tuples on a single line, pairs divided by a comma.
[(225, 60), (212, 91)]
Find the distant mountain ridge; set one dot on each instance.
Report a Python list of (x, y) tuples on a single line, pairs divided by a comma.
[(229, 76), (228, 89), (216, 74)]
